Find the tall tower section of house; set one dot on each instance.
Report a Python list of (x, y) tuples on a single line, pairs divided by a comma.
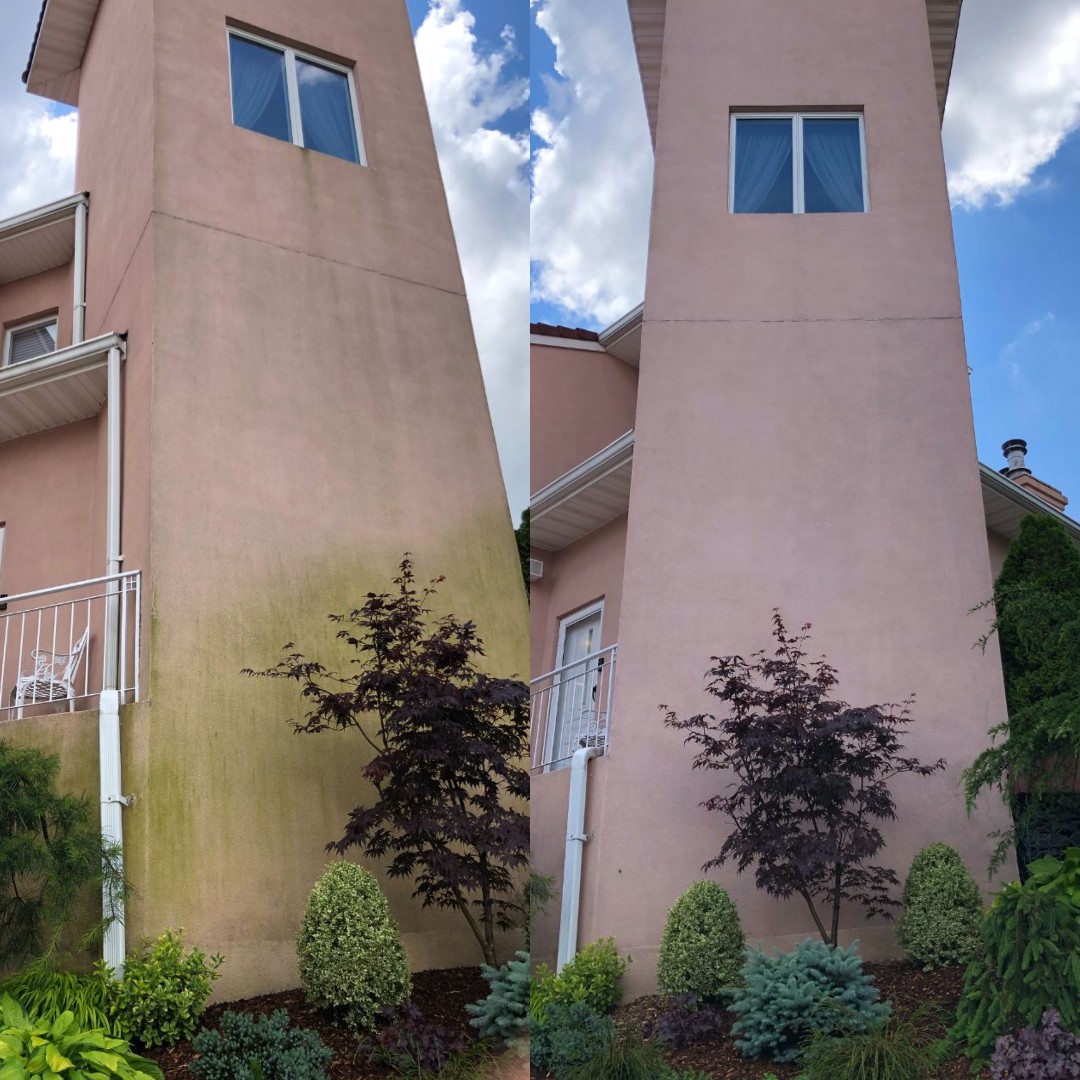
[(299, 403), (803, 436)]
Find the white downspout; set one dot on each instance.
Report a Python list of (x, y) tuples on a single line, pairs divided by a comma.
[(575, 843), (112, 801), (78, 315)]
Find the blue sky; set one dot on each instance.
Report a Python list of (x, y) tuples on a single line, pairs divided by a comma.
[(1016, 213)]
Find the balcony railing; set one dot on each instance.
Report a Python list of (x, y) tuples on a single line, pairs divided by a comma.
[(52, 645), (571, 708)]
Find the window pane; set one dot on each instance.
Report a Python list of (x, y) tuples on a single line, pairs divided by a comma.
[(763, 167), (832, 159), (326, 111), (32, 341), (260, 100)]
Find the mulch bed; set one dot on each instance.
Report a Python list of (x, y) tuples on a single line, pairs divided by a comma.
[(907, 987), (440, 995)]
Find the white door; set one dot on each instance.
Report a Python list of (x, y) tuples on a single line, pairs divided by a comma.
[(573, 704)]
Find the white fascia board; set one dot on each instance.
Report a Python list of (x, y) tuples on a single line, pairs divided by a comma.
[(60, 364), (43, 215), (1022, 498), (581, 476), (565, 343), (622, 326)]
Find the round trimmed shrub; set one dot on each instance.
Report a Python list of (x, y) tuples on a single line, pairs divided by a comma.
[(701, 950), (942, 909), (349, 950)]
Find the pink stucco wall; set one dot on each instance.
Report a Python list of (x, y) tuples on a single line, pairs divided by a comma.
[(303, 404), (42, 294), (587, 400), (999, 549), (590, 570), (791, 367)]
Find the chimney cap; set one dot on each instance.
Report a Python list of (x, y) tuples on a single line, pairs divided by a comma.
[(1014, 451), (1013, 444)]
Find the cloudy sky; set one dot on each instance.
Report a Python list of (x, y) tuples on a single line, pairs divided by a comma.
[(474, 59), (1013, 156)]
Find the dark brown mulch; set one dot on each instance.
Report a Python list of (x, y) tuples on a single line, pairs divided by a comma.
[(905, 986), (440, 995)]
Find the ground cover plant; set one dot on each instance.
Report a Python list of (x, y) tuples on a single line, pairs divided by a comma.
[(351, 959), (1037, 624), (281, 1051), (942, 909), (701, 948), (1037, 1053), (447, 742), (51, 850), (811, 778)]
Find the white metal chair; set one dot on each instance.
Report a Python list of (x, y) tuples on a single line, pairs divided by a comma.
[(53, 677)]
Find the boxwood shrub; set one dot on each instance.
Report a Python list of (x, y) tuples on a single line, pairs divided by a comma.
[(701, 950)]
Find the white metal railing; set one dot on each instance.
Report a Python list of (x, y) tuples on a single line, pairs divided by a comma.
[(571, 708), (52, 644)]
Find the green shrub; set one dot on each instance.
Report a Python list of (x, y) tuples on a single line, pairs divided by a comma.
[(44, 994), (242, 1041), (942, 909), (504, 1013), (33, 1049), (1059, 877), (701, 950), (351, 958), (888, 1050), (163, 992), (592, 978), (815, 987), (568, 1036), (1030, 962), (623, 1057)]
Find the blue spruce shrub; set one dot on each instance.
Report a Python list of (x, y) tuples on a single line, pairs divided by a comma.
[(504, 1013), (701, 950), (788, 996)]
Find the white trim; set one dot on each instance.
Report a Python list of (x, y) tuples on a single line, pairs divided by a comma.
[(29, 324), (798, 193), (583, 474), (626, 324), (296, 126), (43, 215), (580, 615), (566, 343)]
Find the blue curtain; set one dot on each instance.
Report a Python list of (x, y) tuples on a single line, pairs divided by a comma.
[(326, 111), (763, 167), (832, 174), (260, 100)]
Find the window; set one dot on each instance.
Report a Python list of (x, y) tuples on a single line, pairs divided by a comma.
[(29, 340), (798, 163), (287, 95)]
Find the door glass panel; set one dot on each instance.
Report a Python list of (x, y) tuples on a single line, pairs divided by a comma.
[(574, 698)]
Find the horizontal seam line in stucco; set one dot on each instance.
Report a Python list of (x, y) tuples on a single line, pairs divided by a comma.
[(816, 319), (309, 255)]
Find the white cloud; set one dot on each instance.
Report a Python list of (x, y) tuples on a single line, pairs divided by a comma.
[(484, 171), (1014, 95), (592, 180)]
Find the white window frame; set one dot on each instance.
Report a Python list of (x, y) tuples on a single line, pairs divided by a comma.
[(29, 324), (798, 201), (296, 126)]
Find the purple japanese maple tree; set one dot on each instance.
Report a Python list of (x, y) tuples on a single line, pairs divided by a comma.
[(809, 778), (447, 742)]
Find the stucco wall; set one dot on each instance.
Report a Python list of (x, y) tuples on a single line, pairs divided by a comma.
[(303, 404), (40, 294), (789, 363), (999, 549), (587, 400)]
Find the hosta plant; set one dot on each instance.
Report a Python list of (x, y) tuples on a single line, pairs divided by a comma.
[(63, 1051)]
